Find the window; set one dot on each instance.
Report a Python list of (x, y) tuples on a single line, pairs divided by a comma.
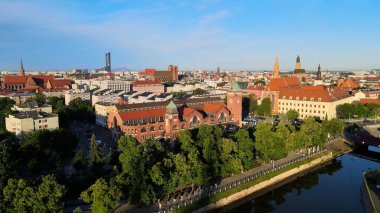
[(222, 118), (161, 127), (304, 99), (183, 126), (311, 99), (143, 130), (152, 129), (194, 122), (175, 127)]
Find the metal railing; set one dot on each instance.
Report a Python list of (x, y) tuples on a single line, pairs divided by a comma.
[(208, 191)]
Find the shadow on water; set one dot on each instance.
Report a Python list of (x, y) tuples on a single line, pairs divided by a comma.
[(267, 200)]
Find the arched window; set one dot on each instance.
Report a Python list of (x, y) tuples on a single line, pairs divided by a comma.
[(222, 118), (152, 129), (143, 130), (194, 122), (183, 126), (175, 127), (161, 127)]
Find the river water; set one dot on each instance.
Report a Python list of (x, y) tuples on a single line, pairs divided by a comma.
[(333, 187)]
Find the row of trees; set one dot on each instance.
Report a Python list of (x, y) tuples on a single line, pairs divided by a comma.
[(78, 109), (358, 110), (151, 169)]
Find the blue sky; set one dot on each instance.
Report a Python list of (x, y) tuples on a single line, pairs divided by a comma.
[(193, 34)]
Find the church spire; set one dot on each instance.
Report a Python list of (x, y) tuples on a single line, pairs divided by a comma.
[(276, 70), (22, 71), (319, 74)]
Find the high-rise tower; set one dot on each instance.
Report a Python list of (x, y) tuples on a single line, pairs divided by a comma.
[(276, 70), (108, 62), (22, 71)]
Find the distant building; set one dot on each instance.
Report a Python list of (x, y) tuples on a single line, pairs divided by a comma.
[(108, 62), (71, 95), (148, 86), (162, 76), (29, 106), (298, 68)]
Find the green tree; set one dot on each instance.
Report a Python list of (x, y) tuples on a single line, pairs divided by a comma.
[(19, 196), (207, 138), (39, 98), (80, 161), (230, 164), (95, 153), (267, 142), (312, 133), (199, 91), (6, 105), (252, 104), (292, 114), (265, 108), (8, 157), (346, 111), (333, 127), (245, 148), (102, 196)]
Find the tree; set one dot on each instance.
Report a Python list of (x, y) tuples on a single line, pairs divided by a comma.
[(19, 196), (5, 108), (252, 104), (39, 98), (292, 114), (267, 142), (265, 108), (346, 111), (49, 195), (245, 148), (207, 138), (229, 163), (80, 161), (8, 156), (333, 127), (95, 153), (102, 196), (312, 134), (199, 91)]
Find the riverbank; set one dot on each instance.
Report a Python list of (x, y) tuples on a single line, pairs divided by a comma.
[(267, 181), (242, 190), (370, 195)]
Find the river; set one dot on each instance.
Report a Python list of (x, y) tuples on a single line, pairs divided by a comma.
[(333, 187)]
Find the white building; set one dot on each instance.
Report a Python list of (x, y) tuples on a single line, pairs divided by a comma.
[(26, 121)]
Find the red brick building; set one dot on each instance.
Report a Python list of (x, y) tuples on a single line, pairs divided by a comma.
[(163, 76), (167, 118)]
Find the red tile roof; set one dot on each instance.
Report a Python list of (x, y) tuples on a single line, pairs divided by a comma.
[(275, 84), (187, 111), (133, 115), (349, 84), (369, 101), (213, 107), (255, 87), (14, 79), (324, 93), (60, 82)]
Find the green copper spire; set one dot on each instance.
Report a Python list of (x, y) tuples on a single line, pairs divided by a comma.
[(171, 108), (235, 87)]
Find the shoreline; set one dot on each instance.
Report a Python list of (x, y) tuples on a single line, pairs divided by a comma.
[(271, 182)]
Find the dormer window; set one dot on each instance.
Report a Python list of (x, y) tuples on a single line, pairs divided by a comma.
[(297, 98), (319, 99), (304, 99), (311, 99), (290, 98)]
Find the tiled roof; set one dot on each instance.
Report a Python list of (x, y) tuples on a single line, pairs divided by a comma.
[(213, 108), (13, 79), (275, 84), (255, 87), (140, 114), (60, 82), (369, 101), (325, 94), (349, 84)]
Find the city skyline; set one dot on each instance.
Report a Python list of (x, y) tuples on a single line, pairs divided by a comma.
[(193, 35)]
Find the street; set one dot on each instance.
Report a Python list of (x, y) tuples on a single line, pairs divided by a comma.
[(84, 132)]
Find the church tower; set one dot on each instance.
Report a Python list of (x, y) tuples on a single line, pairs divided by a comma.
[(171, 119), (234, 103), (319, 74), (298, 69), (276, 70), (22, 71)]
